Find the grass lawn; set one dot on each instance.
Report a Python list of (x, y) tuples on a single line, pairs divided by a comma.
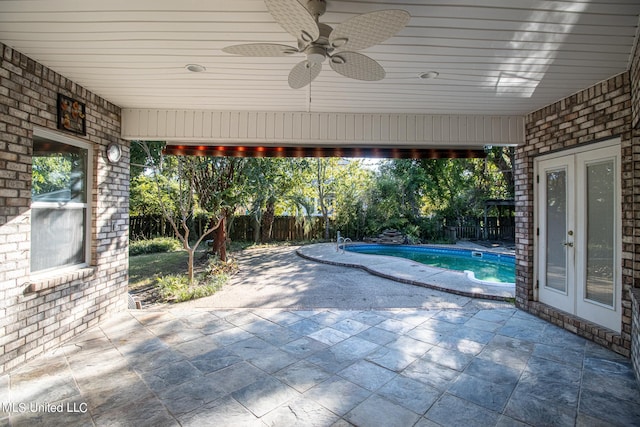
[(144, 268)]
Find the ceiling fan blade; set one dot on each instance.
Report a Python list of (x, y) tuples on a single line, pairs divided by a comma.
[(357, 66), (261, 49), (294, 18), (304, 73), (367, 30)]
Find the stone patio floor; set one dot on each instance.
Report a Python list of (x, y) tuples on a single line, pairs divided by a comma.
[(450, 361)]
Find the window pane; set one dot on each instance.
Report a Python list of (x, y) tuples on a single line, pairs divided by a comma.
[(58, 173), (600, 232), (556, 202), (57, 237)]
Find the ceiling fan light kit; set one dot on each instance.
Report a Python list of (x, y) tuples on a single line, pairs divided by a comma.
[(319, 41)]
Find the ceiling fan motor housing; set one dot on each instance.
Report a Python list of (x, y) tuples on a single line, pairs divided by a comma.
[(316, 8)]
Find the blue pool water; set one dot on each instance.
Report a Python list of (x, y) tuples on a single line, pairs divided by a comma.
[(486, 266)]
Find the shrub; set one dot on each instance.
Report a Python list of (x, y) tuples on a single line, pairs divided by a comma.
[(159, 244), (176, 288)]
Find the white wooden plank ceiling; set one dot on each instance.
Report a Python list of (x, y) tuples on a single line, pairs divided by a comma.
[(492, 56)]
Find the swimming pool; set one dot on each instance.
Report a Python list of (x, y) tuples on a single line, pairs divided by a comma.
[(485, 266)]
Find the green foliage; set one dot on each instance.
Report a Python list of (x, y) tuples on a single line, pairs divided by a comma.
[(176, 288), (159, 244)]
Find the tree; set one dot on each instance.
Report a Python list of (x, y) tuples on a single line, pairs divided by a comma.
[(205, 185), (272, 183)]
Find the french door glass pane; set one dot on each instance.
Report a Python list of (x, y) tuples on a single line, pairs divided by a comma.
[(600, 232), (556, 228)]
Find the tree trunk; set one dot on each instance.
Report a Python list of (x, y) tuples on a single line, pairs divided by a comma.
[(267, 221), (190, 268), (220, 241), (255, 224)]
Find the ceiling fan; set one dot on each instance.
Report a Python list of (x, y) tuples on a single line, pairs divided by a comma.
[(319, 41)]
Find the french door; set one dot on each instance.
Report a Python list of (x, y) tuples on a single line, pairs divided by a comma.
[(578, 232)]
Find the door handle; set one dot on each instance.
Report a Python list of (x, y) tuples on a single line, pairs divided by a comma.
[(570, 244)]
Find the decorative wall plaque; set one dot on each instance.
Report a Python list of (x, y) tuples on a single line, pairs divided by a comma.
[(71, 115)]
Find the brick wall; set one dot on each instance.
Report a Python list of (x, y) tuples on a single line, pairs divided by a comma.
[(635, 342), (37, 316), (597, 113)]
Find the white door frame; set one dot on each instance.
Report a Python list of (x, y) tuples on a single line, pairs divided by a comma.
[(574, 300)]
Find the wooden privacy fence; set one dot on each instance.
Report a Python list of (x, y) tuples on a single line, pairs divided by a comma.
[(285, 228)]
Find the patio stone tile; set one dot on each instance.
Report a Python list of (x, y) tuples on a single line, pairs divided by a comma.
[(567, 356), (337, 395), (552, 392), (215, 325), (329, 318), (493, 372), (305, 327), (236, 376), (543, 370), (461, 345), (199, 320), (66, 417), (109, 394), (531, 410), (455, 317), (301, 412), (154, 360), (378, 336), (477, 335), (341, 355), (445, 328), (305, 313), (230, 336), (242, 318), (302, 375), (371, 318), (497, 316), (222, 412), (272, 360), (329, 336), (367, 375), (599, 404), (248, 348), (613, 367), (423, 422), (48, 381), (89, 366), (91, 346), (215, 360), (521, 333), (264, 395), (149, 344), (379, 411), (410, 393), (303, 347), (508, 352), (394, 325), (191, 349), (506, 421), (431, 373), (282, 318), (465, 413), (558, 337), (617, 386), (409, 346), (350, 326), (144, 412), (487, 394), (483, 325), (170, 375), (190, 395), (426, 335), (450, 358), (391, 359)]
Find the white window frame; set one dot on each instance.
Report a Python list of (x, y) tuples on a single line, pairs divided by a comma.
[(65, 139)]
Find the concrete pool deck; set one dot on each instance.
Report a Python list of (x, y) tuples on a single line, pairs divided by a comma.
[(409, 272)]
